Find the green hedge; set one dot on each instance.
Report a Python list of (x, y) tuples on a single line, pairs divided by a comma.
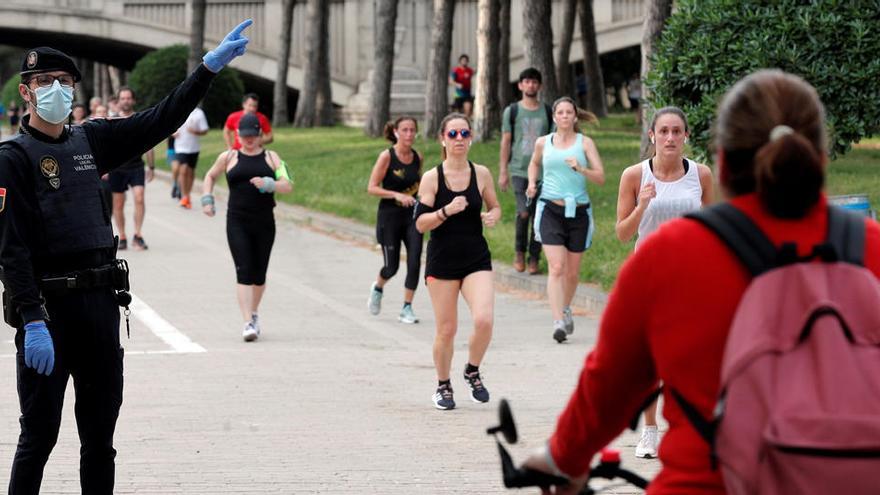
[(707, 45), (155, 75), (9, 93)]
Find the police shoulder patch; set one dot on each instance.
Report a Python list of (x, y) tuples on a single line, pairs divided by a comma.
[(2, 199)]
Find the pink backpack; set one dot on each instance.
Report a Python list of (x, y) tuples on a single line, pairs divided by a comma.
[(799, 408)]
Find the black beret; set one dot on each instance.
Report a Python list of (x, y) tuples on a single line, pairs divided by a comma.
[(46, 59)]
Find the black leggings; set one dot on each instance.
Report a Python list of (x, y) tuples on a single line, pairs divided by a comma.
[(392, 228), (250, 241)]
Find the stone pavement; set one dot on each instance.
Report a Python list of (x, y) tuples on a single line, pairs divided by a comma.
[(329, 400)]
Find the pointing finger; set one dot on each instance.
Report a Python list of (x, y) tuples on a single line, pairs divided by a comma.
[(241, 27)]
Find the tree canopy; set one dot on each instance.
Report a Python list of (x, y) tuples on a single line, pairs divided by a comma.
[(155, 75), (708, 45)]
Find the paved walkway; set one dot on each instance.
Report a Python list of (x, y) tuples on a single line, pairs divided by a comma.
[(329, 400)]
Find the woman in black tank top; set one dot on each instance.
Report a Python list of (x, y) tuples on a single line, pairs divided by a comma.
[(451, 200), (395, 179), (253, 175)]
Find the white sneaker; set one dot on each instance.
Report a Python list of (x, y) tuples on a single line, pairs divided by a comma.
[(374, 303), (647, 446), (250, 332), (255, 321), (407, 315), (569, 321)]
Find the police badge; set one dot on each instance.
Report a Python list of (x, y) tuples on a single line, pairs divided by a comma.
[(49, 168)]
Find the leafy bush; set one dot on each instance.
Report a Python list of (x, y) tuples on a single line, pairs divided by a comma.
[(9, 93), (155, 75), (707, 45)]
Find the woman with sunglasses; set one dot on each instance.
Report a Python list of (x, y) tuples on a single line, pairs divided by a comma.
[(564, 216), (395, 179), (451, 199)]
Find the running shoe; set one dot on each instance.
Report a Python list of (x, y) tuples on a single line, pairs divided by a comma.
[(185, 203), (407, 315), (123, 245), (138, 243), (443, 398), (647, 446), (255, 321), (559, 333), (175, 191), (475, 384), (374, 303), (250, 332), (568, 320)]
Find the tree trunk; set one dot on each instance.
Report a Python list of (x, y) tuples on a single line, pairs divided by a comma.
[(306, 108), (486, 111), (563, 69), (596, 100), (324, 96), (505, 92), (115, 79), (279, 107), (437, 99), (538, 41), (656, 13), (383, 67), (196, 34)]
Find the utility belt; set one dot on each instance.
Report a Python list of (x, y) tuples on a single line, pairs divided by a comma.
[(113, 275)]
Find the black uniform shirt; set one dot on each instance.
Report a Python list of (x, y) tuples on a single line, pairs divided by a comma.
[(113, 142)]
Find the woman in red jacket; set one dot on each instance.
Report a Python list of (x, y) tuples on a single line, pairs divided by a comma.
[(669, 313)]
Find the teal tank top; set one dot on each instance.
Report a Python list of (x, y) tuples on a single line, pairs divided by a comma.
[(560, 182)]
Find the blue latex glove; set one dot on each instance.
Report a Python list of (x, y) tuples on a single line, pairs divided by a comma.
[(233, 45), (39, 353)]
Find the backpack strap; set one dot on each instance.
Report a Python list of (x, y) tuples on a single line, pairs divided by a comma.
[(514, 109), (740, 234), (846, 234), (549, 110)]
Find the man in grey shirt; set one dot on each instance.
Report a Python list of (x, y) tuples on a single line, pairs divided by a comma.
[(522, 124)]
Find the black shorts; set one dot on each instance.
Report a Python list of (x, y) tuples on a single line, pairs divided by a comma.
[(555, 230), (188, 159), (460, 101), (123, 178)]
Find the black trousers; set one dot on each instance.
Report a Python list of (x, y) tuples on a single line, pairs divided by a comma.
[(250, 241), (85, 332), (394, 227)]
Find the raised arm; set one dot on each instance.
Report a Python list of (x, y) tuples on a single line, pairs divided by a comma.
[(595, 172), (630, 206), (493, 208)]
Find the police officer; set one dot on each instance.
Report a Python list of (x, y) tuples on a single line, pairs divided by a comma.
[(63, 285)]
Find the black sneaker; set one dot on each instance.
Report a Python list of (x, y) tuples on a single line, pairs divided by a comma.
[(175, 191), (123, 245), (443, 398), (559, 335), (138, 242), (475, 383)]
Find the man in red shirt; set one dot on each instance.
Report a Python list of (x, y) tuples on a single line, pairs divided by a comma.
[(249, 104), (461, 77)]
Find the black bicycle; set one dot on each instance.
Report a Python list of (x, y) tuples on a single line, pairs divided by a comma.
[(608, 466)]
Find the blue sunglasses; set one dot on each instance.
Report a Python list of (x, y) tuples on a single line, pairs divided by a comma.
[(465, 133)]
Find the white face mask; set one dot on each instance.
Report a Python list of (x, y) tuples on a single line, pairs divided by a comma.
[(54, 102)]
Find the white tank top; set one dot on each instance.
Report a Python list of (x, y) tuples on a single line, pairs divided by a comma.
[(674, 199)]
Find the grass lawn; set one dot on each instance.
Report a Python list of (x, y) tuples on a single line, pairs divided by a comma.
[(331, 167)]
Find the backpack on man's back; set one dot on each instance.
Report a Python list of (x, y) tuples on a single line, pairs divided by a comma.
[(799, 407)]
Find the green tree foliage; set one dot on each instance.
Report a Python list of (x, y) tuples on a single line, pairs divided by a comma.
[(9, 93), (155, 75), (708, 45)]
